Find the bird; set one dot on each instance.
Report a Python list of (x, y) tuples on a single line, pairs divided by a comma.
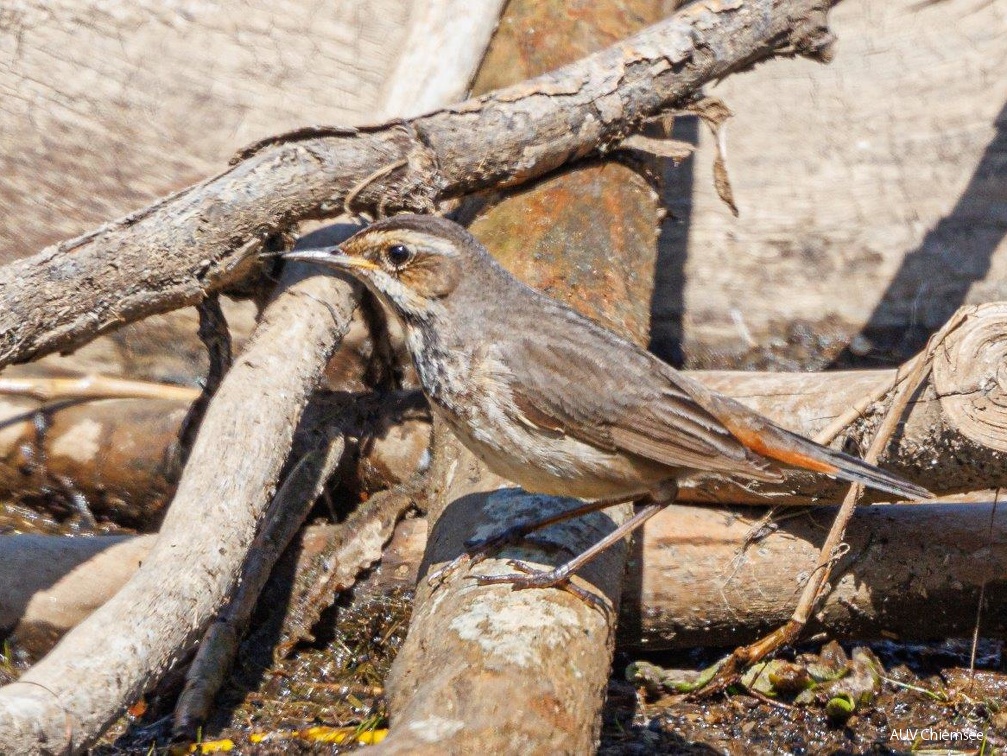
[(555, 402)]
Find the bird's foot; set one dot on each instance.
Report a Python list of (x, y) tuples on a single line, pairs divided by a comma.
[(531, 577), (470, 557), (480, 549)]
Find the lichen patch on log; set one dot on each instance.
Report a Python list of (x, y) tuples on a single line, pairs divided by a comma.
[(500, 626), (435, 729)]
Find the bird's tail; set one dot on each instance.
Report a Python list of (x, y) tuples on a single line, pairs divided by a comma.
[(770, 440)]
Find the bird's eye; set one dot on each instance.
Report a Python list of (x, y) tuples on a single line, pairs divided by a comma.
[(398, 254)]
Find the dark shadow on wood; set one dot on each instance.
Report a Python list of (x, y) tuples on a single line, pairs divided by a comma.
[(668, 300), (935, 278)]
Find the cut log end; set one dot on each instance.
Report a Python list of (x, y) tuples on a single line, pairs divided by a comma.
[(970, 375)]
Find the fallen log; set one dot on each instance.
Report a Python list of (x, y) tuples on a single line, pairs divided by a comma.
[(700, 576), (123, 457), (67, 699), (470, 649), (911, 572)]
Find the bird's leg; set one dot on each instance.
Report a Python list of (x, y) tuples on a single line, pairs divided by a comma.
[(516, 532), (529, 577), (479, 549)]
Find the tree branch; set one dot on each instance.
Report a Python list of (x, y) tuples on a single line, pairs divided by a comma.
[(66, 700), (204, 238)]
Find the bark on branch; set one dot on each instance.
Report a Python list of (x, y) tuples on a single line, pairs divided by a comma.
[(204, 238)]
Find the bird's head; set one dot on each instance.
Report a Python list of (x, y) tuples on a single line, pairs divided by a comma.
[(411, 261)]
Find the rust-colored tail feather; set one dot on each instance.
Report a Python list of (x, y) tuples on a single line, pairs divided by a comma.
[(776, 443)]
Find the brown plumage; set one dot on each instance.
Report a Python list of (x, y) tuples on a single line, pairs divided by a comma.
[(550, 399)]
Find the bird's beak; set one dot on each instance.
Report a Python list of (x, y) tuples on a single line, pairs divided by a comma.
[(330, 257)]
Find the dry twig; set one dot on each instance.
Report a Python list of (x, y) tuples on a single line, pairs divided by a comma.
[(832, 549)]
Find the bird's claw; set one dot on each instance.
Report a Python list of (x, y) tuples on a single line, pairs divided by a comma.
[(529, 577), (526, 576), (438, 576), (476, 551)]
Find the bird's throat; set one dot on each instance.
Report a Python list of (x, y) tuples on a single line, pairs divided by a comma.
[(432, 360)]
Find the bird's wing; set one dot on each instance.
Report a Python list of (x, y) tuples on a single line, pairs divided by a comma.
[(588, 383), (591, 385)]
